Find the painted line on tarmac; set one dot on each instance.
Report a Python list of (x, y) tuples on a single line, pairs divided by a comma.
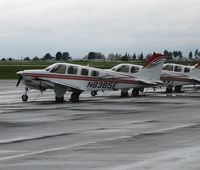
[(90, 143)]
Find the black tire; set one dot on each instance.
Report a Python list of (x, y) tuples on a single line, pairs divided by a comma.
[(75, 97), (142, 90), (93, 93), (135, 92), (24, 97), (177, 89), (59, 99), (124, 94), (169, 90)]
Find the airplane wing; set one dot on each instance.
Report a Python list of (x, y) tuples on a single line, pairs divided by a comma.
[(59, 83), (150, 82), (195, 79), (115, 75)]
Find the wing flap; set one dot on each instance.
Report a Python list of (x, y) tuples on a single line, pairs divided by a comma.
[(150, 82), (59, 83)]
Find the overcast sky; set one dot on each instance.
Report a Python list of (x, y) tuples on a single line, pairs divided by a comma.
[(36, 27)]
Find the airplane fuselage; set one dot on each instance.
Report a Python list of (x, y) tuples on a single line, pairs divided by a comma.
[(105, 80), (62, 77)]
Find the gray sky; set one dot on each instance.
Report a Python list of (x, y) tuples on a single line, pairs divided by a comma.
[(36, 27)]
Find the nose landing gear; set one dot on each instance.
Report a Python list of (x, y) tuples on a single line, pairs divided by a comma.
[(25, 96)]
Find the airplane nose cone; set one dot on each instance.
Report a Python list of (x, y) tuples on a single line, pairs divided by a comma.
[(19, 72)]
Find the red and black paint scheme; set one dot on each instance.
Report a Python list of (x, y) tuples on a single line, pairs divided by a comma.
[(177, 75), (62, 77)]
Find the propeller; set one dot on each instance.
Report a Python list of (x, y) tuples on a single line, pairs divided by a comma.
[(19, 80)]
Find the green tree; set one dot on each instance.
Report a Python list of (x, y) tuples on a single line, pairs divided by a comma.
[(66, 56), (27, 58), (190, 55), (59, 55), (168, 54), (111, 57), (92, 55), (47, 57), (141, 56), (35, 58), (196, 54), (134, 56), (125, 57)]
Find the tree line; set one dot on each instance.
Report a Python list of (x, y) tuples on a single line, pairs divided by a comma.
[(65, 56)]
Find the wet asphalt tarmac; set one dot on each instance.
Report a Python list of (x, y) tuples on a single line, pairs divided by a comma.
[(152, 132)]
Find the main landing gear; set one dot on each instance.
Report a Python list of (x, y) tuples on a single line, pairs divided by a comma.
[(25, 96), (177, 89), (124, 94), (135, 92), (59, 99), (75, 96), (93, 93)]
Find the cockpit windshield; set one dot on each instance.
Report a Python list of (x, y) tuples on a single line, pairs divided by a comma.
[(59, 68), (123, 68), (48, 68)]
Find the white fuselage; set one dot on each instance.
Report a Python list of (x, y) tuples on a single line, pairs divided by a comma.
[(172, 74), (177, 75), (79, 77)]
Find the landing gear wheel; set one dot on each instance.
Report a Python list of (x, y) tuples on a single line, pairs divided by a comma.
[(93, 93), (59, 99), (135, 92), (124, 94), (169, 90), (75, 97), (177, 89), (24, 97), (142, 89)]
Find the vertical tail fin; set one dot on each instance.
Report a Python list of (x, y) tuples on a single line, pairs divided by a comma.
[(153, 68), (195, 73)]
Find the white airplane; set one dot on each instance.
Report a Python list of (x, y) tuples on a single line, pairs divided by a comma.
[(177, 75), (62, 77), (173, 75)]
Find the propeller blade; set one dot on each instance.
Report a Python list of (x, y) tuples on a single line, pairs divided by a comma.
[(19, 80)]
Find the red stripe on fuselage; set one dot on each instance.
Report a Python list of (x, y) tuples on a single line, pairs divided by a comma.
[(154, 59), (69, 77), (177, 79)]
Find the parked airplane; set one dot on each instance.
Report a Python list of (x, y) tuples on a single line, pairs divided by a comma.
[(62, 77), (177, 75), (173, 75)]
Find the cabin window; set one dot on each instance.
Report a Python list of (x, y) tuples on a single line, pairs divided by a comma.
[(59, 69), (186, 70), (123, 68), (84, 71), (94, 73), (72, 69), (168, 67), (134, 69), (177, 68)]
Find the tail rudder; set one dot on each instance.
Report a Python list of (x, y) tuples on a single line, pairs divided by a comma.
[(195, 73), (153, 68), (197, 65)]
